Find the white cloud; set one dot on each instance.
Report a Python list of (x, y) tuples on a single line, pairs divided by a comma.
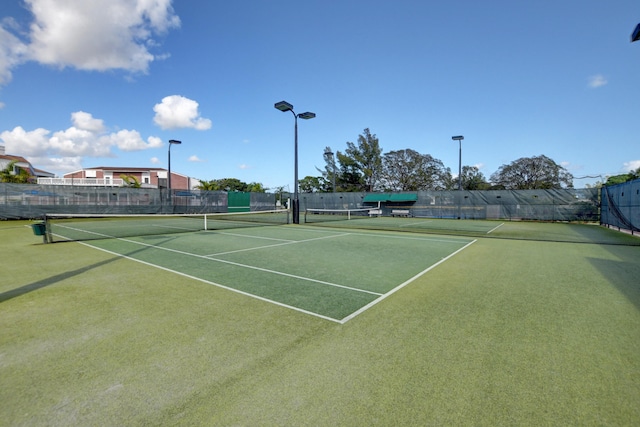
[(85, 121), (195, 158), (632, 165), (155, 161), (88, 35), (244, 166), (65, 149), (12, 50), (597, 81), (176, 112)]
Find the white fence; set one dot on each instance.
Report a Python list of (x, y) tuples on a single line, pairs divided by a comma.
[(82, 182)]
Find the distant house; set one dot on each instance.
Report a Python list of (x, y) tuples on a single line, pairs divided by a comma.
[(21, 163), (110, 176)]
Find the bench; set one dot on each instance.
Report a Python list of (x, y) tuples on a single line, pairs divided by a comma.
[(375, 212), (400, 212)]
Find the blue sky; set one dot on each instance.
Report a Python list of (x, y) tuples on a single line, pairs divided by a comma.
[(109, 82)]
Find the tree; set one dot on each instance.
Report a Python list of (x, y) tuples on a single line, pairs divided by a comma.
[(310, 184), (231, 184), (532, 173), (131, 181), (619, 179), (329, 177), (255, 187), (364, 160), (473, 179), (14, 174), (349, 177), (408, 170), (208, 186)]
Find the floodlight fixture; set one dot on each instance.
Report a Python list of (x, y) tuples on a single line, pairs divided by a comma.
[(635, 36), (457, 138), (307, 115), (285, 106)]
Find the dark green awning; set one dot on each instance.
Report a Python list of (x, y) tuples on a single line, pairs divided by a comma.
[(376, 197), (401, 197)]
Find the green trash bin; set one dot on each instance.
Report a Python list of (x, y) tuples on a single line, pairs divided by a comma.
[(40, 229)]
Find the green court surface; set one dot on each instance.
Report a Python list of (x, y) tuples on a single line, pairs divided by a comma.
[(519, 230), (328, 273), (530, 325)]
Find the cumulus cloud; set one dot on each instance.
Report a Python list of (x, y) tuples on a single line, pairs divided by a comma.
[(65, 149), (195, 158), (597, 81), (632, 165), (88, 35), (176, 112)]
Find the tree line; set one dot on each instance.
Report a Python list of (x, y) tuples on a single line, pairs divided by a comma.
[(364, 167)]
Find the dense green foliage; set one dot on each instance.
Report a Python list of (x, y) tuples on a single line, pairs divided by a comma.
[(532, 173), (231, 184), (14, 174), (619, 179)]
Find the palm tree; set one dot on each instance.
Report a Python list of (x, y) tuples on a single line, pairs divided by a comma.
[(131, 181), (14, 175)]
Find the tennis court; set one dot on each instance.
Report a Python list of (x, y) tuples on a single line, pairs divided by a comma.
[(164, 323), (329, 273)]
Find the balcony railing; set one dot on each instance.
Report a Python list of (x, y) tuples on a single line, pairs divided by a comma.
[(82, 182)]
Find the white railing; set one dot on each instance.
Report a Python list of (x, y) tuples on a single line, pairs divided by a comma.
[(86, 182)]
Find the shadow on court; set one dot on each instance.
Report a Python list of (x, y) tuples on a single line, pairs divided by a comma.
[(22, 290)]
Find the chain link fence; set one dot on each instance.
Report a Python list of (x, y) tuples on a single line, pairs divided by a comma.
[(28, 201)]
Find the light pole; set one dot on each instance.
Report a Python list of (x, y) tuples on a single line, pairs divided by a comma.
[(635, 36), (285, 106), (171, 142), (328, 154), (459, 138)]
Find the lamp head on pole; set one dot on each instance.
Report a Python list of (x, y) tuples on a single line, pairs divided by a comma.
[(635, 36), (308, 115), (174, 141), (457, 138), (283, 106)]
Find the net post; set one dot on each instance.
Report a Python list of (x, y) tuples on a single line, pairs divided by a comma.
[(205, 222), (47, 230)]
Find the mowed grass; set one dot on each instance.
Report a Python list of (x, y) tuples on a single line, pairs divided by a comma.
[(507, 332)]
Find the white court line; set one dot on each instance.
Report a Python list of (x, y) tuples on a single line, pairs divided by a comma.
[(388, 236), (414, 223), (251, 267), (286, 242), (380, 298), (253, 237), (496, 227), (402, 285), (215, 284)]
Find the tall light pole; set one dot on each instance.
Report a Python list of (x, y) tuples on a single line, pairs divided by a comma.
[(328, 154), (285, 106), (171, 142), (459, 138)]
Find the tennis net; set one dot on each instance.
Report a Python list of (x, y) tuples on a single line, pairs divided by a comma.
[(325, 215), (78, 227)]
